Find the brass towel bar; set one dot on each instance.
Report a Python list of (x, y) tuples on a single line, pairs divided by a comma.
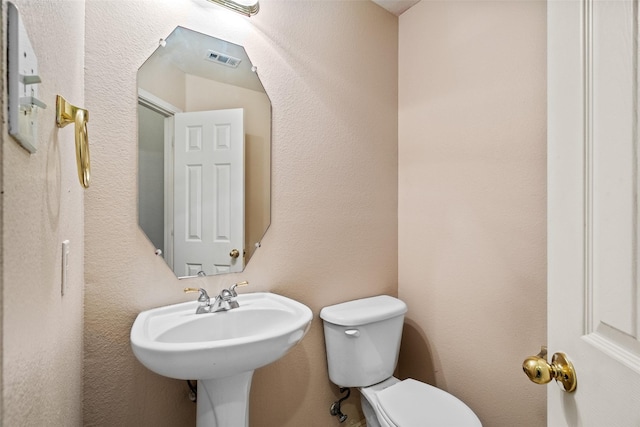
[(65, 114)]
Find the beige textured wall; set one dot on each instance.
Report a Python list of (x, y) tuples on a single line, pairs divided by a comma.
[(472, 257), (330, 69), (42, 205)]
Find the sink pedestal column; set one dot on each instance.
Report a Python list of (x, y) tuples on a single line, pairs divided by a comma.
[(224, 402)]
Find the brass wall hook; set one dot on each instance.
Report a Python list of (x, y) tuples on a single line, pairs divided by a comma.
[(67, 113), (541, 372)]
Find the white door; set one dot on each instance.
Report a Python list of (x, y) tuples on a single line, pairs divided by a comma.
[(209, 192), (593, 210)]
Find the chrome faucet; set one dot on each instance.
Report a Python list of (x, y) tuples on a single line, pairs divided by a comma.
[(225, 301), (227, 298)]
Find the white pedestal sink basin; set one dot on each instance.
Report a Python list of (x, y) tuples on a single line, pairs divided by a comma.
[(220, 350)]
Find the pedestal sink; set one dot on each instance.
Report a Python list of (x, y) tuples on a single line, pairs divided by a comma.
[(220, 350)]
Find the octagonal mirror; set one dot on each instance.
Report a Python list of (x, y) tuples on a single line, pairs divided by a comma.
[(204, 154)]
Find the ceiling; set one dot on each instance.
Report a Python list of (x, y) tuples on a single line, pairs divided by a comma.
[(397, 7)]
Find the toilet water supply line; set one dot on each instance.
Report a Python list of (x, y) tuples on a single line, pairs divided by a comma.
[(335, 406), (193, 392)]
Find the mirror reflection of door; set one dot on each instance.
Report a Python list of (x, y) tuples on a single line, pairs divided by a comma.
[(185, 75), (209, 187)]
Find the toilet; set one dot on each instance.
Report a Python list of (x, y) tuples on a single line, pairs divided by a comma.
[(362, 338)]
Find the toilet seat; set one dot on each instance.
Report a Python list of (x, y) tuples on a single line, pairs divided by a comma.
[(411, 403)]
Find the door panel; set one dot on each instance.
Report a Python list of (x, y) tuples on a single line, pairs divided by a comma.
[(209, 191), (613, 170), (593, 209)]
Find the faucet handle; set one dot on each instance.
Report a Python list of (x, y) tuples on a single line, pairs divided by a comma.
[(235, 285), (203, 297)]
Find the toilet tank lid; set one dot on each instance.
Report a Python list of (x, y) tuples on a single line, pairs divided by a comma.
[(363, 311)]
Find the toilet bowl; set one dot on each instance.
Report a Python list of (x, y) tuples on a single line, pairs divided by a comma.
[(395, 403), (363, 342)]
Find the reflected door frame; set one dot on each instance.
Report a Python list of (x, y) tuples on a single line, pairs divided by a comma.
[(167, 110)]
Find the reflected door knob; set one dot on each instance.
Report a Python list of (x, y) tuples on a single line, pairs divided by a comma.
[(560, 369), (234, 253)]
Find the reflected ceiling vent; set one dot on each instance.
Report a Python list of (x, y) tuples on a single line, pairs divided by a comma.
[(223, 59)]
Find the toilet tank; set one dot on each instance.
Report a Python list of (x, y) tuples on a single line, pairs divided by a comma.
[(362, 338)]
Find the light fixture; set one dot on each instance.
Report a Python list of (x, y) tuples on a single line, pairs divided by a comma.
[(245, 7)]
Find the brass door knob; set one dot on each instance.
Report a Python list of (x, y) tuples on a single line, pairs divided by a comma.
[(541, 372), (234, 253)]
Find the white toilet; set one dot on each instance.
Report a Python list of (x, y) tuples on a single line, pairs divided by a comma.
[(363, 340)]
